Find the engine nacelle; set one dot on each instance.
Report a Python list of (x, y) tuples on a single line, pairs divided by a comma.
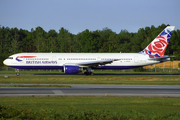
[(70, 69)]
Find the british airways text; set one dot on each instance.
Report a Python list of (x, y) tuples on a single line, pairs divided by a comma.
[(41, 62)]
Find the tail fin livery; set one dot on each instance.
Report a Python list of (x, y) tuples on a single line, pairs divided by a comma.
[(157, 47)]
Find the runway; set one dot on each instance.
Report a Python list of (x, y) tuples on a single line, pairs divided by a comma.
[(94, 90)]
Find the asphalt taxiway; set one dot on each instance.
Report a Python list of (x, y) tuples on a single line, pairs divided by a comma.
[(94, 90), (96, 74)]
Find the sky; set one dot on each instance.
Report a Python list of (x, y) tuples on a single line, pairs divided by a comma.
[(79, 15)]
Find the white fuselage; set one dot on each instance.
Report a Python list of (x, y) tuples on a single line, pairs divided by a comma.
[(58, 60)]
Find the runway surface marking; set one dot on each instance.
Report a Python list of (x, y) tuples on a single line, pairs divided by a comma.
[(59, 92)]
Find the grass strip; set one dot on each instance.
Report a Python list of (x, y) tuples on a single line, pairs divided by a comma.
[(13, 113), (66, 86), (76, 79), (90, 107)]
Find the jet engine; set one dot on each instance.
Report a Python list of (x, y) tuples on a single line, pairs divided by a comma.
[(70, 69)]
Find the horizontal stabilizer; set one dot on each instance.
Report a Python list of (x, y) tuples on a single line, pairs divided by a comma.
[(161, 58)]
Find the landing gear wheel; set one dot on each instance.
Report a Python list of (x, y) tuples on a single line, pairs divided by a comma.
[(17, 73), (92, 73), (88, 73)]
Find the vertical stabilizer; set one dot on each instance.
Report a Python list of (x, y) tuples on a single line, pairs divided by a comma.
[(157, 47)]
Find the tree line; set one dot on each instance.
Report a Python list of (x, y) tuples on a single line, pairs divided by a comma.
[(38, 40)]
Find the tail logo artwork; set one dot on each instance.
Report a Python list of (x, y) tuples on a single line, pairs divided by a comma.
[(157, 47)]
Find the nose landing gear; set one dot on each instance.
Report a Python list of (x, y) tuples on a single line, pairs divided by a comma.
[(17, 73)]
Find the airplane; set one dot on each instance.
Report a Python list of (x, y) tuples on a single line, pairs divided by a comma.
[(73, 63)]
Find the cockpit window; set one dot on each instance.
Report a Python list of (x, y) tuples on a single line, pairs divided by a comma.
[(10, 57)]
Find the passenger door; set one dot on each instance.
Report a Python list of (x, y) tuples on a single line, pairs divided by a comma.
[(136, 59)]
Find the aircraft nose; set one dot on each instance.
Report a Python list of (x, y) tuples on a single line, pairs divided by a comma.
[(5, 62)]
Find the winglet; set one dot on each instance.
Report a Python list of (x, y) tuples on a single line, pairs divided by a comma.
[(157, 47)]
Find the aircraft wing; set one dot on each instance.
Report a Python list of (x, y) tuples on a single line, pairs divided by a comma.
[(93, 63)]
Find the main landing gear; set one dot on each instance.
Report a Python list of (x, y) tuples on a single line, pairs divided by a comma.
[(88, 72), (17, 72)]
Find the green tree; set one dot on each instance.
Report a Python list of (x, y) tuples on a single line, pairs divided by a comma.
[(1, 40), (106, 40), (40, 41), (28, 43), (112, 42), (52, 41), (52, 45), (64, 41), (15, 42), (84, 40), (175, 44), (122, 41), (7, 41)]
